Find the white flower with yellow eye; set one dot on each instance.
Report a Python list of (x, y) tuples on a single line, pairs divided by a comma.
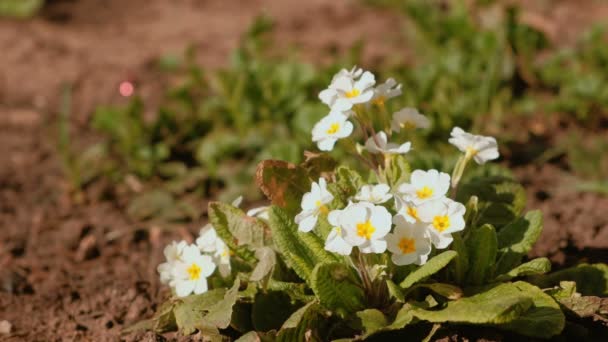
[(385, 91), (335, 240), (190, 274), (426, 186), (364, 225), (406, 209), (332, 127), (348, 89), (478, 147), (376, 194), (209, 242), (409, 242), (379, 144), (409, 118), (313, 203), (443, 217), (173, 254)]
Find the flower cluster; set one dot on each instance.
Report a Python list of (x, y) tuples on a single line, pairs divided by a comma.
[(408, 219), (188, 266)]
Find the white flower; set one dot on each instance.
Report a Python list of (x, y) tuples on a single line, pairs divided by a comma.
[(207, 239), (335, 240), (259, 212), (407, 209), (385, 91), (376, 194), (379, 144), (221, 258), (354, 72), (191, 273), (426, 186), (409, 118), (365, 225), (481, 148), (348, 89), (409, 243), (173, 254), (444, 217), (332, 127), (313, 204), (237, 201)]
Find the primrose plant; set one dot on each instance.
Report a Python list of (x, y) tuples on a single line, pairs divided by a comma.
[(367, 248)]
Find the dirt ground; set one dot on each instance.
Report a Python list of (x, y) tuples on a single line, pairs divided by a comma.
[(80, 270)]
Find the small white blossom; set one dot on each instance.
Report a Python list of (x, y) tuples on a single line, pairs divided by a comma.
[(335, 240), (221, 258), (426, 186), (332, 127), (259, 212), (444, 217), (354, 72), (407, 209), (409, 118), (409, 243), (209, 242), (313, 203), (480, 147), (207, 238), (190, 274), (348, 89), (379, 144), (365, 225), (173, 254), (376, 194), (385, 91)]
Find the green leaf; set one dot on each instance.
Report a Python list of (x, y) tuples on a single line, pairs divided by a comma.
[(221, 312), (301, 251), (189, 311), (348, 183), (501, 199), (270, 310), (20, 8), (237, 229), (266, 261), (533, 267), (516, 239), (395, 291), (433, 266), (591, 280), (309, 323), (398, 171), (544, 319), (337, 288), (296, 317), (283, 183), (460, 265), (482, 248), (448, 291), (372, 320)]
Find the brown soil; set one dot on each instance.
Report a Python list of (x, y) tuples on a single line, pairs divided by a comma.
[(76, 268)]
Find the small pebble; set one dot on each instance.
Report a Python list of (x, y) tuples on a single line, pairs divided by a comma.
[(5, 327)]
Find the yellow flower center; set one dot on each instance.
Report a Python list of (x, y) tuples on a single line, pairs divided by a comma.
[(425, 192), (365, 229), (441, 223), (407, 245), (379, 101), (338, 230), (471, 152), (353, 93), (322, 208), (413, 212), (408, 125), (194, 271), (335, 127)]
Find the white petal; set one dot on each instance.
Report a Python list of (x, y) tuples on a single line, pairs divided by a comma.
[(201, 286), (184, 287)]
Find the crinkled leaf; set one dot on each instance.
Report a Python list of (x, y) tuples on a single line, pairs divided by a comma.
[(395, 291), (189, 311), (220, 313), (398, 171), (297, 291), (237, 229), (301, 251), (501, 199), (482, 249), (434, 265), (270, 310), (266, 261), (348, 183), (544, 319), (372, 320), (516, 239), (533, 267), (283, 183), (448, 291), (337, 288), (296, 317), (307, 324), (591, 280), (318, 164), (587, 306)]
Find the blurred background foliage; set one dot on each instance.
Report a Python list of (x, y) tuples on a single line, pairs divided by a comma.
[(479, 68)]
